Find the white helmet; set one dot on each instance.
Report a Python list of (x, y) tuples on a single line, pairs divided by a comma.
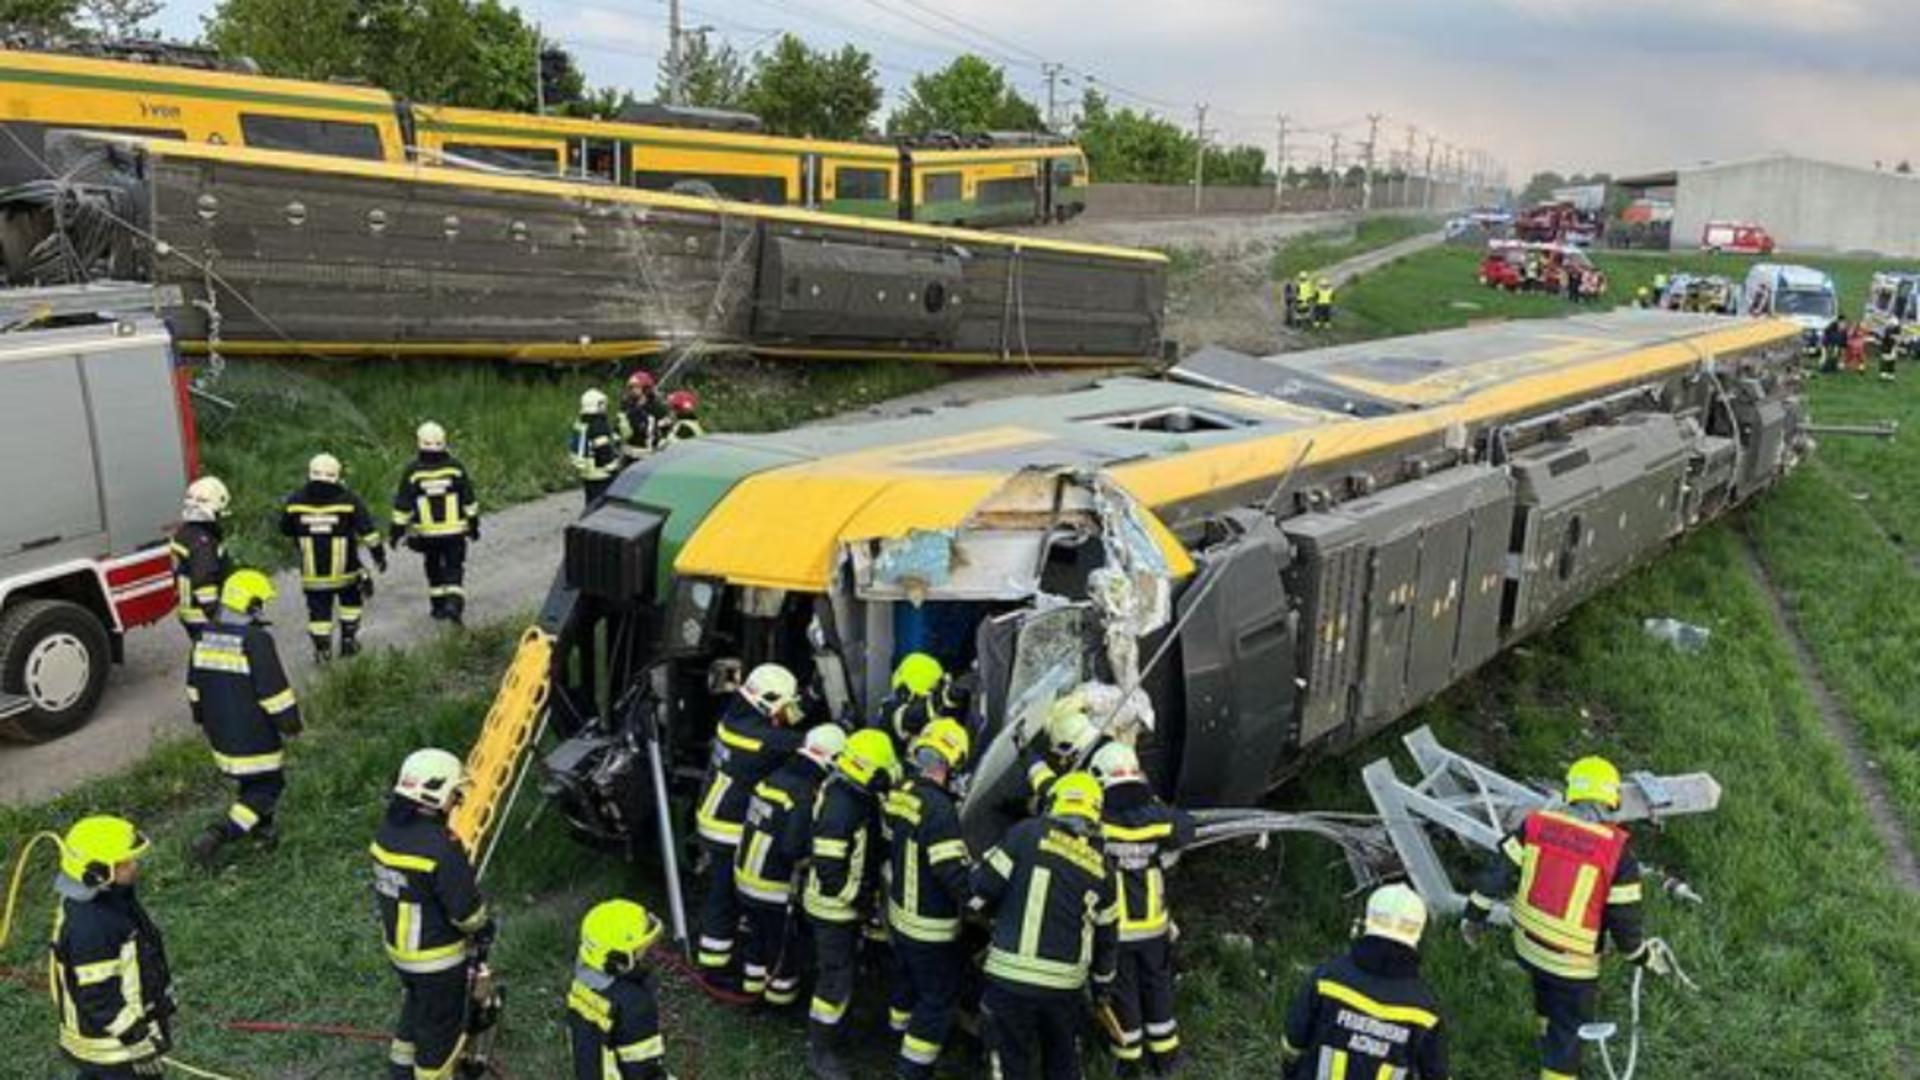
[(1069, 730), (430, 436), (324, 468), (773, 690), (209, 496), (824, 743), (1396, 913), (593, 403), (1116, 763), (431, 778)]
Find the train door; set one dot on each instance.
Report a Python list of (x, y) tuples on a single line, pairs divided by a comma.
[(595, 159), (907, 197)]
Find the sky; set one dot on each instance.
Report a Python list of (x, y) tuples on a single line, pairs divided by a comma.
[(1620, 86)]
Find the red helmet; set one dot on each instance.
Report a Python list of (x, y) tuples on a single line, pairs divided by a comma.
[(683, 402), (640, 382)]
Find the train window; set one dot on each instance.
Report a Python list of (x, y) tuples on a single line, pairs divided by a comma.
[(534, 159), (941, 187), (1010, 190), (596, 159), (334, 138), (861, 183), (769, 190)]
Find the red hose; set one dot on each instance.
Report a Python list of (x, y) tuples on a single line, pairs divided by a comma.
[(677, 964)]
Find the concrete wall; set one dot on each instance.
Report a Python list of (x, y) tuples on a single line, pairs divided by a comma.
[(1806, 205), (1176, 200)]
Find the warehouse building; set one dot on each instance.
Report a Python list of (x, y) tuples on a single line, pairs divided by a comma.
[(1807, 205)]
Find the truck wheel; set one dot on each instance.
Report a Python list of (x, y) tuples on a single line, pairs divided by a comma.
[(54, 655)]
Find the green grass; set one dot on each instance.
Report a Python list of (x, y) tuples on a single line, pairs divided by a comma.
[(509, 425), (1318, 250)]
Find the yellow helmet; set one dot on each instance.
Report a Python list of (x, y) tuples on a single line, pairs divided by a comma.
[(1076, 794), (945, 737), (868, 754), (1397, 913), (1594, 779), (1069, 730), (615, 934), (97, 844), (246, 588), (919, 674)]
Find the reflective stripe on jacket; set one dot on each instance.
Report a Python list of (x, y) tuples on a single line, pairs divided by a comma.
[(430, 902)]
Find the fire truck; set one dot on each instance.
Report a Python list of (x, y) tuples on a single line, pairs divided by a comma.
[(96, 445)]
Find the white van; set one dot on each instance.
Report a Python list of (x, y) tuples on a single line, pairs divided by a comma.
[(1799, 293)]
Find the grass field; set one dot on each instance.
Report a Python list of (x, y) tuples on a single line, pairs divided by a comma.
[(1805, 950), (509, 425), (1316, 251)]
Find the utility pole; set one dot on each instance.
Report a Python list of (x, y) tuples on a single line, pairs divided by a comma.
[(1051, 71), (1280, 165), (1199, 156), (1406, 170), (676, 87), (1333, 167), (539, 72), (1426, 175), (1366, 182)]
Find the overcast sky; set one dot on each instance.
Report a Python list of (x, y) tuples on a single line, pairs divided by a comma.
[(1575, 85)]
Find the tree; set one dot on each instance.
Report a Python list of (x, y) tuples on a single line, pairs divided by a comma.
[(1905, 168), (1237, 166), (1132, 147), (298, 39), (39, 16), (120, 19), (968, 95), (712, 77), (798, 91), (1540, 187)]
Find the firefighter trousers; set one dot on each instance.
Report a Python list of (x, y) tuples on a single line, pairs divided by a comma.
[(772, 951), (595, 490), (1142, 1000), (433, 1026), (1561, 1006), (926, 984), (1032, 1033), (254, 804), (835, 951), (345, 601), (719, 911), (446, 565)]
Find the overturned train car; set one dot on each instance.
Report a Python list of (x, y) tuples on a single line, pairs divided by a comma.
[(294, 254), (1281, 554)]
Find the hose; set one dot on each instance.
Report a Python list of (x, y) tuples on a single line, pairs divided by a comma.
[(1661, 958), (195, 1070), (19, 877)]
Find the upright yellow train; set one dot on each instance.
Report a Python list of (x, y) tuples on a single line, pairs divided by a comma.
[(984, 181)]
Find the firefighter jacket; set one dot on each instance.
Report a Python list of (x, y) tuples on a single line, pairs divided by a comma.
[(330, 523), (777, 831), (682, 430), (1056, 911), (435, 499), (614, 1025), (845, 851), (199, 556), (430, 902), (747, 747), (594, 448), (1579, 884), (905, 715), (107, 972), (645, 421), (1143, 837), (1366, 1014), (927, 867), (240, 696)]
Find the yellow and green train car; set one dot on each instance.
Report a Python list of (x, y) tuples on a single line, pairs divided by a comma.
[(997, 186)]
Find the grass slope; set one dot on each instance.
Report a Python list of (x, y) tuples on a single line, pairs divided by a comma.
[(1318, 250)]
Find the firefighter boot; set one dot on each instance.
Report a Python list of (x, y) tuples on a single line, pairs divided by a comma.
[(322, 649), (457, 609), (349, 640), (266, 834), (205, 849), (823, 1054)]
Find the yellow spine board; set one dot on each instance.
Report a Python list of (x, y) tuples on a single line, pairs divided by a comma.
[(508, 731)]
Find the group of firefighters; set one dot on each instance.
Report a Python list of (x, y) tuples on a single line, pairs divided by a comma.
[(1307, 302), (604, 442)]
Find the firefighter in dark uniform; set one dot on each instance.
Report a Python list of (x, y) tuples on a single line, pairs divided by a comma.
[(842, 880), (1069, 742), (1055, 923), (1582, 887), (645, 413), (773, 842), (199, 554), (755, 736), (683, 424), (107, 965), (594, 447), (927, 892), (436, 512), (1143, 838), (1369, 1013), (613, 1007), (240, 697), (434, 922), (921, 693), (331, 525)]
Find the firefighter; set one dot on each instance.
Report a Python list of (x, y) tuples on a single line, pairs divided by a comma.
[(594, 447), (199, 554), (613, 1007), (436, 512), (1368, 1012), (841, 880), (1322, 304), (773, 842), (331, 524), (1303, 299), (684, 425), (1055, 916), (1143, 837), (922, 693), (1070, 741), (240, 697), (434, 922), (1582, 886), (927, 890), (107, 964), (645, 415), (1643, 297), (754, 737), (1289, 296)]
